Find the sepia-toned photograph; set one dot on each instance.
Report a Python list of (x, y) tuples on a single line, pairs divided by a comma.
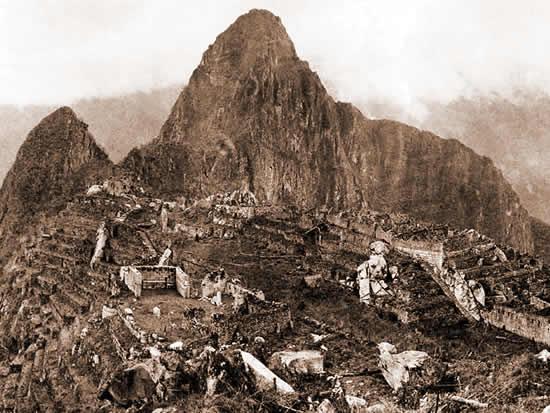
[(269, 206)]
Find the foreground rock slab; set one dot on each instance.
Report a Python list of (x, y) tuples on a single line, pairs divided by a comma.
[(265, 378)]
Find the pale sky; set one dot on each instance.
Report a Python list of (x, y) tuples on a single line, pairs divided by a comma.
[(55, 51)]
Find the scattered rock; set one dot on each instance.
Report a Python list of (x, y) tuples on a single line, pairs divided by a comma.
[(318, 338), (356, 404), (500, 255), (313, 281), (377, 408), (155, 352), (107, 312), (94, 190), (298, 362), (326, 407), (394, 272), (134, 384), (176, 346), (166, 410), (217, 299), (156, 312), (265, 378), (379, 248), (395, 367), (544, 355)]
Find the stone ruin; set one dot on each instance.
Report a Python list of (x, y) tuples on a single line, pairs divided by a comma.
[(150, 277)]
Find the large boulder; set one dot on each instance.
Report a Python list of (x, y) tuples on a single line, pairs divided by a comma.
[(265, 379), (133, 384), (298, 362)]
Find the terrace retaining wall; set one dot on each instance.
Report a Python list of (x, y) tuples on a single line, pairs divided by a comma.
[(430, 252), (531, 326)]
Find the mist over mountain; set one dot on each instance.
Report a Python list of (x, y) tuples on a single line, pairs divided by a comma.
[(118, 123), (512, 129)]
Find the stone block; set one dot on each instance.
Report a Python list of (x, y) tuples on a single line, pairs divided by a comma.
[(299, 362)]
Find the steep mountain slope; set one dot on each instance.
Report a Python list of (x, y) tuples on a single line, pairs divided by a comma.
[(118, 123), (255, 116), (511, 130), (541, 234), (58, 157)]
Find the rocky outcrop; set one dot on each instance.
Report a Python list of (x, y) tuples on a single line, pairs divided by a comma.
[(541, 233), (58, 158), (512, 129), (256, 117)]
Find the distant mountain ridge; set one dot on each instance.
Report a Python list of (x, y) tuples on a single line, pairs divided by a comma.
[(255, 116), (512, 129), (487, 124), (118, 123)]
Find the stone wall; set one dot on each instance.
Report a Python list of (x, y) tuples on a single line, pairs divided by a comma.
[(143, 277), (194, 231), (455, 285), (133, 279), (430, 252), (183, 283), (355, 242), (530, 326), (155, 277), (526, 325)]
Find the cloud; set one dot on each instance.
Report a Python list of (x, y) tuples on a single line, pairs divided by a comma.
[(401, 51)]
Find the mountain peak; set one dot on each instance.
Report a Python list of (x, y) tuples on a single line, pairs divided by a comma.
[(259, 18), (57, 128), (63, 111), (63, 114), (258, 35), (58, 157), (256, 117)]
